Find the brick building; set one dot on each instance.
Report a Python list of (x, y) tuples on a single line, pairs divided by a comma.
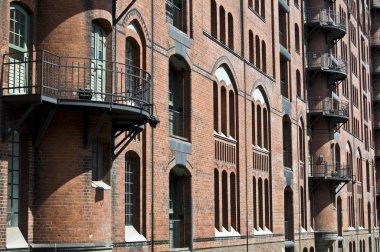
[(189, 125)]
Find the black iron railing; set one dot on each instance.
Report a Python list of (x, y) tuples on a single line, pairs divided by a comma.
[(328, 106), (45, 73), (335, 171), (325, 61), (326, 18)]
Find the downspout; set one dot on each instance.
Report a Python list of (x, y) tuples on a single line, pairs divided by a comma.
[(245, 124), (152, 129)]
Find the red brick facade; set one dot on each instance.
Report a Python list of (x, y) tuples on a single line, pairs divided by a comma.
[(264, 141)]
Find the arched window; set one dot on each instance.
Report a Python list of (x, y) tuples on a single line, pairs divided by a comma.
[(216, 106), (299, 85), (230, 31), (257, 42), (214, 22), (98, 62), (132, 190), (297, 38), (223, 107), (287, 142), (251, 56), (179, 98), (261, 206), (225, 200), (265, 128), (233, 201), (18, 49), (254, 122), (267, 202), (216, 197), (359, 170), (232, 113), (176, 14), (222, 23), (262, 8), (264, 56), (288, 214), (254, 192), (132, 61), (257, 7), (259, 126)]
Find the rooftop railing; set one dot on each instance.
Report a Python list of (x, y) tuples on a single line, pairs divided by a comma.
[(73, 78)]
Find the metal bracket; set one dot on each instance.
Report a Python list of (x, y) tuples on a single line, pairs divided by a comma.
[(126, 140), (21, 120), (44, 128)]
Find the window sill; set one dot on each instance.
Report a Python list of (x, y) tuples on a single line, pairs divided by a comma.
[(225, 233), (131, 235), (15, 239), (100, 185), (262, 232)]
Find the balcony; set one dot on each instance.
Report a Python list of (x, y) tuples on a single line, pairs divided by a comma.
[(328, 63), (337, 111), (337, 172), (324, 239), (45, 77), (332, 22)]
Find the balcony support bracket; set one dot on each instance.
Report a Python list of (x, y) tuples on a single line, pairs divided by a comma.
[(20, 121), (44, 128), (126, 140), (339, 186)]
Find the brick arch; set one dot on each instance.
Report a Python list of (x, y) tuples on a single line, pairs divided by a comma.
[(188, 166), (26, 5), (259, 84), (225, 61), (135, 15)]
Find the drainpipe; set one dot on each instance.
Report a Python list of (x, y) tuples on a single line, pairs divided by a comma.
[(245, 123), (152, 129)]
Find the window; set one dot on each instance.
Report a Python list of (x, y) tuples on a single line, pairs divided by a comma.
[(251, 56), (179, 98), (97, 161), (132, 61), (285, 87), (230, 31), (98, 63), (176, 14), (297, 38), (263, 9), (262, 206), (299, 85), (222, 23), (287, 142), (264, 56), (214, 22), (283, 33), (225, 115), (18, 47), (257, 42), (132, 190), (13, 199)]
